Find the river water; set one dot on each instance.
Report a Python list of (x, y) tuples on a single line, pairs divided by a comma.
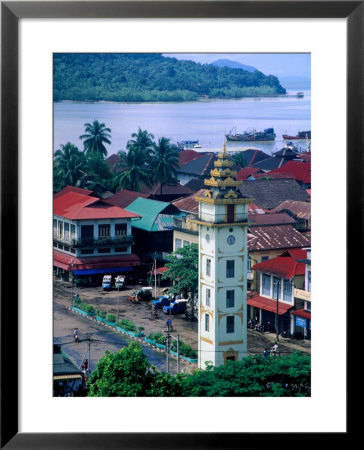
[(205, 121)]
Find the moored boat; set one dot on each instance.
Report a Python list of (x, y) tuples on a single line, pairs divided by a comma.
[(253, 135), (299, 94), (300, 135)]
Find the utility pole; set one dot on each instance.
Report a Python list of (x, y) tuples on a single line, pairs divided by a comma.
[(118, 305), (71, 264), (277, 316)]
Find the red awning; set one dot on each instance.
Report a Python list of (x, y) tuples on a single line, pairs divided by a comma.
[(269, 305), (302, 313), (64, 261), (159, 271)]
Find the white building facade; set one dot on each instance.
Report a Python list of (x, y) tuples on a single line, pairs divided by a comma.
[(223, 257)]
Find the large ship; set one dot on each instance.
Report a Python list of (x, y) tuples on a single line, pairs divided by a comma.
[(300, 135), (253, 135)]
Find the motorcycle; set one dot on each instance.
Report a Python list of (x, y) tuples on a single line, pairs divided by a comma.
[(76, 336)]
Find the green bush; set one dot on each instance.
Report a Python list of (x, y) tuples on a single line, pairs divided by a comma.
[(111, 318), (76, 300), (127, 325), (184, 349), (101, 313)]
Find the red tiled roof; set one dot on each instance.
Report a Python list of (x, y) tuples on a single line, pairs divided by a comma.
[(76, 206), (301, 171), (186, 156), (124, 197), (302, 313), (281, 266), (189, 204), (268, 304), (63, 261), (72, 189), (244, 173)]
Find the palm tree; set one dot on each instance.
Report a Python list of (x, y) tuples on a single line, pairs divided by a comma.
[(95, 138), (134, 171), (165, 161), (69, 167), (143, 143)]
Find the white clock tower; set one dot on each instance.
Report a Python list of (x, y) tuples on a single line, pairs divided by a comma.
[(223, 254)]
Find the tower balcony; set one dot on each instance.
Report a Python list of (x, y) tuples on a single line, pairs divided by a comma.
[(207, 219)]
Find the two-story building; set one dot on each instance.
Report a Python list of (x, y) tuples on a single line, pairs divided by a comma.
[(302, 313), (274, 304), (91, 237)]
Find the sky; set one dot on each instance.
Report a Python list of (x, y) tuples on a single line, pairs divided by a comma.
[(278, 64)]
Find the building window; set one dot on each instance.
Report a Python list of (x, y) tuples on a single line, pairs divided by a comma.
[(230, 213), (60, 229), (87, 251), (87, 234), (73, 250), (264, 258), (67, 231), (207, 322), (308, 281), (60, 246), (208, 267), (208, 297), (73, 232), (55, 227), (185, 243), (121, 249), (104, 231), (178, 243), (230, 298), (230, 324), (230, 268), (104, 250), (120, 229), (266, 284), (287, 291), (307, 306), (66, 248), (276, 288)]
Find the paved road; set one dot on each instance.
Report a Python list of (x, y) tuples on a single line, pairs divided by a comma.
[(102, 339)]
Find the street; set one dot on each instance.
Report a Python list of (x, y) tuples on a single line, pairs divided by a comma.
[(104, 338)]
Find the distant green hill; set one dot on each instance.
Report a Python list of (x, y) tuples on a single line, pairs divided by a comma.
[(138, 77), (233, 65)]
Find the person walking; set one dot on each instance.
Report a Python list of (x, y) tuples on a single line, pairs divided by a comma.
[(275, 350), (265, 353)]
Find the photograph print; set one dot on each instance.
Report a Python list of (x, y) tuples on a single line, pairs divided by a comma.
[(181, 225)]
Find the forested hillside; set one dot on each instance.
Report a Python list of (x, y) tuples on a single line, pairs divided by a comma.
[(151, 77)]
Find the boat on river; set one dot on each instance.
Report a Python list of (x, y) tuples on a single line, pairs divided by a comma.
[(252, 136), (188, 145), (299, 135)]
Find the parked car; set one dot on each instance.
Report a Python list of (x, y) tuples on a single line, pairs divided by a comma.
[(176, 307), (144, 293), (161, 302), (107, 282), (120, 282)]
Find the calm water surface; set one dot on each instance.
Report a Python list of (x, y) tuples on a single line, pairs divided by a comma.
[(206, 121)]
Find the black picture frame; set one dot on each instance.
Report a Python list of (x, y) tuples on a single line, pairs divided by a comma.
[(11, 12)]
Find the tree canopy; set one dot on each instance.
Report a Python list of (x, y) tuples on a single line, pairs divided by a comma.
[(183, 269), (128, 373), (138, 77)]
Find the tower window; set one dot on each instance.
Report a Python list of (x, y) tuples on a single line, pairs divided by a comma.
[(230, 298), (208, 297), (230, 324), (230, 268), (230, 213), (208, 267), (207, 322)]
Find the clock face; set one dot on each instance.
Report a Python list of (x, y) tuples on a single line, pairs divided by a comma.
[(230, 239), (207, 238)]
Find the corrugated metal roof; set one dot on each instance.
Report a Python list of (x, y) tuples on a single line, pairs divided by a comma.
[(272, 237), (149, 211), (268, 304), (124, 197)]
